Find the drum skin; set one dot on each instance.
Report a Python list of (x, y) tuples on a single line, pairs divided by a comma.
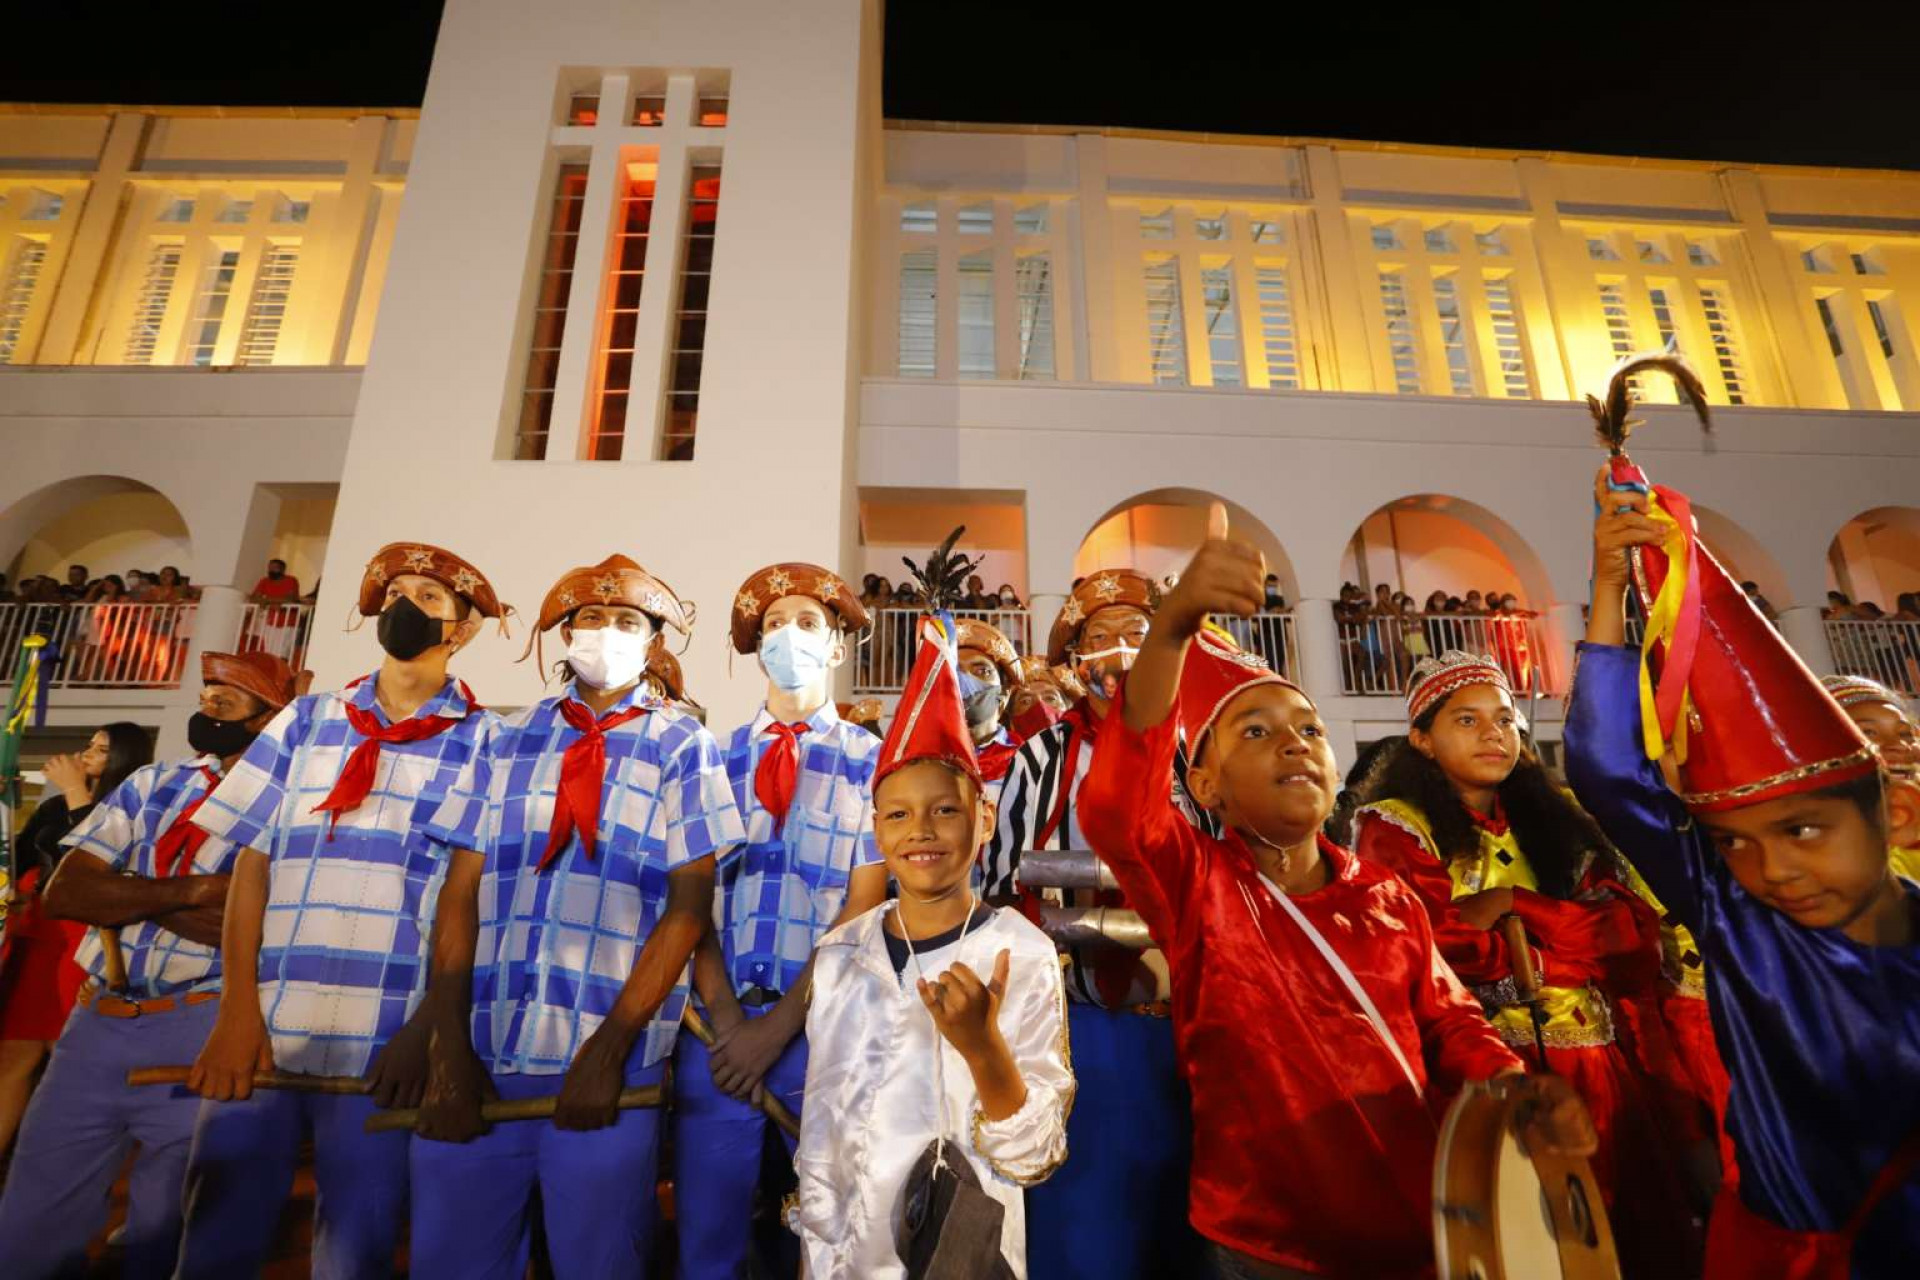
[(1502, 1213)]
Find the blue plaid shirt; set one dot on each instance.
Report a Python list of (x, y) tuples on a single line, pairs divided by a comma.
[(343, 945), (556, 946), (122, 831), (778, 899)]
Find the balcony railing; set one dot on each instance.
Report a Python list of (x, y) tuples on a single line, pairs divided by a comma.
[(138, 646), (1883, 650), (1271, 635), (881, 663), (1377, 654)]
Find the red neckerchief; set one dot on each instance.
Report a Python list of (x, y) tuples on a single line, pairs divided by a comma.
[(583, 775), (996, 759), (778, 772), (179, 844), (1082, 726), (1494, 824), (356, 779)]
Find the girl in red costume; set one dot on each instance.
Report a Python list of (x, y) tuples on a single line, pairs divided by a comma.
[(1464, 813)]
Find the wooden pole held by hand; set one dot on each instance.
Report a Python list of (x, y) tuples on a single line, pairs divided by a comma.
[(775, 1109), (496, 1112), (261, 1080)]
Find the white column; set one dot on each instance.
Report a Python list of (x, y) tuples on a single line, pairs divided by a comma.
[(1806, 631), (216, 627), (1319, 641)]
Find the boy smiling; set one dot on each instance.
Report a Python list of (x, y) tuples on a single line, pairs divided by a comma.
[(1314, 1014)]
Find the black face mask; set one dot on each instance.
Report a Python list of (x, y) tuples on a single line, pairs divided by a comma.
[(406, 632), (221, 738)]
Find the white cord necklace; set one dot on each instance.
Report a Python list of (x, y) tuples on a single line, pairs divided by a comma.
[(939, 1052)]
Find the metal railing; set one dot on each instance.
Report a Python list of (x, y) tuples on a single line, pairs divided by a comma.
[(279, 629), (1884, 649), (1377, 654), (1271, 635), (139, 646), (885, 657)]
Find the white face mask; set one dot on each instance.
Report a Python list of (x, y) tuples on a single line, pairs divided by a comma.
[(795, 658), (609, 658)]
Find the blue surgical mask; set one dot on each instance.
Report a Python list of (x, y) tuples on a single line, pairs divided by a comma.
[(795, 658), (981, 701)]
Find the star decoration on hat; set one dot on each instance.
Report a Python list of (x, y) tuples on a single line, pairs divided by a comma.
[(829, 586), (606, 586), (418, 558), (376, 571), (568, 599), (1072, 613), (1106, 586), (779, 584), (654, 602), (466, 582), (746, 602)]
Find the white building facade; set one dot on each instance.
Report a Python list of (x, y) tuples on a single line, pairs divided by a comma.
[(658, 278)]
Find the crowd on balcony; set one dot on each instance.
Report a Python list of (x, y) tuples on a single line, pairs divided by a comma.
[(876, 592), (1383, 636), (1842, 608)]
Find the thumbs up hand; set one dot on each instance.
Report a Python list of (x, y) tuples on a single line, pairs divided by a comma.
[(1225, 576)]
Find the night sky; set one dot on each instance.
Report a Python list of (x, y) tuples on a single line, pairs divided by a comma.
[(1801, 84)]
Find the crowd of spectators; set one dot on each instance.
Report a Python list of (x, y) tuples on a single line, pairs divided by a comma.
[(1383, 635), (1841, 608), (136, 586)]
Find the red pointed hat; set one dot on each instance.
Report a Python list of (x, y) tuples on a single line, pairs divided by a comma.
[(930, 723), (1745, 719), (1216, 672)]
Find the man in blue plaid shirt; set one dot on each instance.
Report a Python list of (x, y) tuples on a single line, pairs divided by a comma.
[(153, 885), (800, 775), (584, 845), (325, 930)]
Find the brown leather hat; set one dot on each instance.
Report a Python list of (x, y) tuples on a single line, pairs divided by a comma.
[(1097, 591), (261, 674), (444, 567), (793, 578)]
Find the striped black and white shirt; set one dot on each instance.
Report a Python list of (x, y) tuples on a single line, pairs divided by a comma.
[(1028, 797)]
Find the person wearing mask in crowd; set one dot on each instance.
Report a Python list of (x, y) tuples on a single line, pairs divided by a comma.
[(799, 775), (1130, 1128), (329, 808), (989, 670), (39, 980), (154, 887), (1465, 814), (582, 843), (1314, 1133), (1473, 604), (1770, 843), (973, 1055), (1275, 601), (1009, 598), (1041, 696)]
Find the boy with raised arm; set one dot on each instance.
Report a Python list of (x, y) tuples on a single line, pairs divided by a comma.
[(1774, 854), (1315, 1016)]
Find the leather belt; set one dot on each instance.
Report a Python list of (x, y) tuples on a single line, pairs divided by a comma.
[(112, 1006)]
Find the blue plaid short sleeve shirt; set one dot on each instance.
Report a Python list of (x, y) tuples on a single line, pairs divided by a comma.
[(122, 831), (782, 894), (556, 946), (343, 944)]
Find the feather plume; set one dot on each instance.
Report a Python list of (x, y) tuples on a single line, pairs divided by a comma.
[(943, 579), (1610, 419)]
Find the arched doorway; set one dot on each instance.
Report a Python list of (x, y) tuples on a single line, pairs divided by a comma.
[(84, 557), (1157, 532), (1431, 572), (1873, 604)]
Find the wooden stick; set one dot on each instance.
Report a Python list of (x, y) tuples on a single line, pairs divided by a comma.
[(113, 960), (261, 1080), (1526, 980), (775, 1109), (649, 1095)]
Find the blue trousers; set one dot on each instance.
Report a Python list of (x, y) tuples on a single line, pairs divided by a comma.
[(1117, 1209), (241, 1170), (77, 1131), (716, 1162), (473, 1201)]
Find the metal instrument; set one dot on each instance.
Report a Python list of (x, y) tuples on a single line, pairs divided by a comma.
[(1065, 869), (1095, 926)]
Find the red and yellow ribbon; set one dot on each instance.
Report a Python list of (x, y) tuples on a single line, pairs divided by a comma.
[(1673, 623)]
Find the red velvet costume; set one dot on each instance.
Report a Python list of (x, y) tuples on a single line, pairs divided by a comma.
[(1311, 1149)]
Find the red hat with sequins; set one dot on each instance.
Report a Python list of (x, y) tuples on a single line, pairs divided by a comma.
[(1746, 720), (1216, 672), (930, 723), (1435, 678)]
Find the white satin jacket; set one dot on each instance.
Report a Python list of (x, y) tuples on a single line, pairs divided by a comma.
[(872, 1103)]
